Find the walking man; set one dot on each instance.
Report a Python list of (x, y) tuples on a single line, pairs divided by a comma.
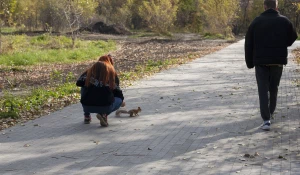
[(266, 44)]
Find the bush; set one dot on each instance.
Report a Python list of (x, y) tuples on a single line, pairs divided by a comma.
[(213, 36)]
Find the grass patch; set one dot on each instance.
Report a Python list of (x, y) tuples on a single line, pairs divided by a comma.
[(141, 34), (9, 114), (24, 50), (39, 101), (8, 30), (213, 36)]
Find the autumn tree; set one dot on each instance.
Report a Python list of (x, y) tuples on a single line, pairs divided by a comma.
[(219, 15), (50, 14), (213, 16), (130, 14), (123, 12), (190, 15), (7, 7), (1, 24), (159, 15), (74, 15), (291, 9), (242, 21), (27, 14), (109, 10), (257, 7)]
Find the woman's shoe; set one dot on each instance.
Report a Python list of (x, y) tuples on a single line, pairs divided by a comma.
[(87, 119), (103, 119)]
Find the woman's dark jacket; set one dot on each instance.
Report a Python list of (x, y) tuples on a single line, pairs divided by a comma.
[(98, 94), (267, 39)]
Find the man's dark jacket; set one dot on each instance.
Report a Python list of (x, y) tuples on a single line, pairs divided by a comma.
[(267, 39)]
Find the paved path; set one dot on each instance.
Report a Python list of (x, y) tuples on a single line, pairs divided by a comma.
[(199, 118)]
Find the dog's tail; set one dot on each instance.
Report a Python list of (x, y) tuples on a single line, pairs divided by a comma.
[(120, 111)]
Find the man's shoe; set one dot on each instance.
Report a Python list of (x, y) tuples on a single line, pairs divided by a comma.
[(103, 119), (266, 126), (87, 119)]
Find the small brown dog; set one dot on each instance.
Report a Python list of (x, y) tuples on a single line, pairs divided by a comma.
[(132, 112)]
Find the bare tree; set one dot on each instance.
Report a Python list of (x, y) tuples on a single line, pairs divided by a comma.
[(73, 14), (0, 36)]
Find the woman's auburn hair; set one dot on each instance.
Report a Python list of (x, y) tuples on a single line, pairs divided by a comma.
[(106, 58), (103, 72)]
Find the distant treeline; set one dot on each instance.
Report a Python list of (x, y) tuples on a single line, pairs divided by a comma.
[(224, 17)]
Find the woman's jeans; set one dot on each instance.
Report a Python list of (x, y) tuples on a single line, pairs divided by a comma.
[(103, 109)]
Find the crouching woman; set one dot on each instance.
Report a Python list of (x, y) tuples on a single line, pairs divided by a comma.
[(99, 92)]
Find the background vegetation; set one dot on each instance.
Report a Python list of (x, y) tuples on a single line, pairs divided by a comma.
[(162, 16)]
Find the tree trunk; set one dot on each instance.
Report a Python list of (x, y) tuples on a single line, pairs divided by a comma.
[(0, 39)]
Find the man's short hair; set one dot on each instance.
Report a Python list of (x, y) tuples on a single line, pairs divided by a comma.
[(271, 3)]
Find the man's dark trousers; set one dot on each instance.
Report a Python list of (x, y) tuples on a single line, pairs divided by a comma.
[(268, 79)]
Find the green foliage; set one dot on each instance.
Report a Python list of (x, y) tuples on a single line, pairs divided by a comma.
[(213, 36), (219, 15), (58, 76), (9, 106), (53, 14), (110, 8), (291, 9), (251, 9), (51, 42), (256, 9), (9, 114), (7, 8), (190, 16), (24, 50), (159, 15), (125, 75), (52, 98), (8, 30)]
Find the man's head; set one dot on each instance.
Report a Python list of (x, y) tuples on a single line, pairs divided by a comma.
[(270, 4)]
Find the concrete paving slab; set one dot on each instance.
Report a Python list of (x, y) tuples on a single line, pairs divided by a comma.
[(198, 118)]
